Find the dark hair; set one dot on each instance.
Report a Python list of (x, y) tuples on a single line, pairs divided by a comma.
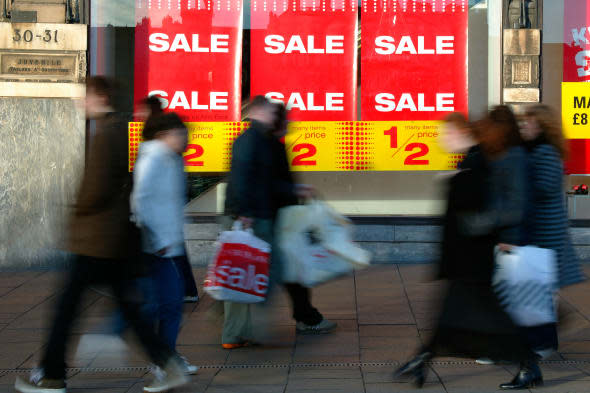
[(162, 123), (102, 86), (154, 103), (499, 131), (281, 116), (258, 102), (550, 126)]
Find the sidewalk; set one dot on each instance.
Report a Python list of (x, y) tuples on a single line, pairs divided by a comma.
[(384, 313)]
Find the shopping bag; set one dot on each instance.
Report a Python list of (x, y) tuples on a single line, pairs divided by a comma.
[(525, 281), (316, 244), (239, 272)]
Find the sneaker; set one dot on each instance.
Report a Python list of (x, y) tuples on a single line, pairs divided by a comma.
[(173, 375), (485, 361), (234, 345), (191, 299), (39, 384), (189, 369), (325, 326)]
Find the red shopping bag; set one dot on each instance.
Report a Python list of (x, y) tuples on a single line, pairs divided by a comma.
[(239, 271)]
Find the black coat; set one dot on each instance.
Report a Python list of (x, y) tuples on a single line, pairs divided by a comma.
[(465, 257), (260, 181), (472, 323)]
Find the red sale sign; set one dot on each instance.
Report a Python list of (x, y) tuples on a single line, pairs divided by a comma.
[(576, 68), (303, 53), (576, 50), (188, 53), (413, 59)]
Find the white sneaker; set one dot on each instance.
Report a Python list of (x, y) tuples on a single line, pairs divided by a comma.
[(325, 326), (39, 384), (173, 375), (190, 369), (485, 361)]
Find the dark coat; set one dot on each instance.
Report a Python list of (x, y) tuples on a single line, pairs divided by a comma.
[(464, 256), (547, 222), (472, 322), (259, 182), (99, 225)]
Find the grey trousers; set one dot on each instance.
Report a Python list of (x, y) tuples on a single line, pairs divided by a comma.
[(237, 323)]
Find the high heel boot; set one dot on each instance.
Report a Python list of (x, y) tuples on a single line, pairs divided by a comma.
[(528, 377), (416, 368)]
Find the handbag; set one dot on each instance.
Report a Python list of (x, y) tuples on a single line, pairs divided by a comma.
[(525, 282), (239, 272)]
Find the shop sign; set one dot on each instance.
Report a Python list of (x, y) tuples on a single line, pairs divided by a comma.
[(322, 146), (575, 99), (413, 59), (575, 90), (188, 53), (303, 53)]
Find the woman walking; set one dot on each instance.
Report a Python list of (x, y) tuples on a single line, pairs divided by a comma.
[(546, 221), (486, 208)]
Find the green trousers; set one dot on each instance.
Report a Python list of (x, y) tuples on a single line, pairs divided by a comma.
[(237, 324)]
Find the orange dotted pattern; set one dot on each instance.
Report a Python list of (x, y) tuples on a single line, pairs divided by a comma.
[(231, 132), (354, 146), (135, 139), (455, 160)]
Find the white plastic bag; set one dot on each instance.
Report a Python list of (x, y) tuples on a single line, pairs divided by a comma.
[(525, 280), (239, 272), (316, 244)]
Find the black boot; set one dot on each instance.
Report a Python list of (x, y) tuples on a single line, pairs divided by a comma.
[(415, 367), (528, 377)]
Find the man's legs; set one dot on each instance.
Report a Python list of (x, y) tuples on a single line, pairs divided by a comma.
[(303, 311), (169, 293), (184, 267), (79, 278)]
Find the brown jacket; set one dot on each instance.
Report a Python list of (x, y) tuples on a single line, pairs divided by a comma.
[(100, 226)]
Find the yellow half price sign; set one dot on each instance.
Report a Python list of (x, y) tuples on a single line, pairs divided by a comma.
[(575, 111), (322, 146)]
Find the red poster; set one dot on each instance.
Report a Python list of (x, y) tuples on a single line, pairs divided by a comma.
[(576, 51), (303, 52), (576, 68), (188, 52), (413, 59)]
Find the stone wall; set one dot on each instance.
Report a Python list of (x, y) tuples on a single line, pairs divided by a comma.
[(407, 241), (41, 153)]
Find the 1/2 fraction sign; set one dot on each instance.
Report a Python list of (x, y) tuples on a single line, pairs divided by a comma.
[(411, 159)]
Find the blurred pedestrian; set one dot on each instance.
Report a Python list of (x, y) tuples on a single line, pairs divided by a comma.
[(149, 108), (485, 207), (101, 237), (157, 202), (259, 184), (547, 221)]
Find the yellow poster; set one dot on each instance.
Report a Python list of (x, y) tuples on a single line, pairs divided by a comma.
[(209, 145), (408, 146), (322, 146), (575, 111)]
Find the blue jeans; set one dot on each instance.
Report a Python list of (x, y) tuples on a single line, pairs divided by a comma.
[(163, 297)]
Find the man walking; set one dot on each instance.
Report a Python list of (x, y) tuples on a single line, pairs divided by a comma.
[(101, 237), (259, 184)]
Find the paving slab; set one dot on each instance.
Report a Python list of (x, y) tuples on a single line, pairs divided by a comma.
[(384, 313)]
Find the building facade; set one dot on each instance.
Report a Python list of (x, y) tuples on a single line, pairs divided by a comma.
[(366, 81)]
